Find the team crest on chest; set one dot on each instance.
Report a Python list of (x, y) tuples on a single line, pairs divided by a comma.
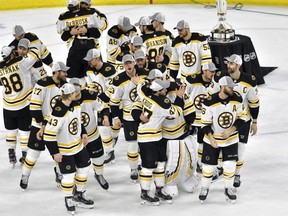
[(73, 126), (133, 94), (198, 101), (225, 120), (85, 119), (189, 58)]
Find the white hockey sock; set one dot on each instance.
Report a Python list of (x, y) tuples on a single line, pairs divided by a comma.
[(67, 184), (133, 154), (24, 137), (159, 175), (240, 162), (145, 178), (30, 160), (207, 171), (81, 178), (229, 173), (11, 138), (98, 165)]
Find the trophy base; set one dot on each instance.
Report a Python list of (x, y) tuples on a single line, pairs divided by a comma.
[(224, 36)]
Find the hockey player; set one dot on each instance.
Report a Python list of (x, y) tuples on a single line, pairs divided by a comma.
[(44, 96), (136, 44), (23, 49), (90, 103), (246, 86), (19, 33), (222, 116), (118, 39), (16, 77), (156, 45), (151, 111), (125, 90), (143, 62), (197, 90), (190, 50), (65, 138), (100, 75), (81, 29)]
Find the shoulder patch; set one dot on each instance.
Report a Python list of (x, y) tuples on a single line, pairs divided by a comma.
[(114, 30), (116, 77), (218, 73), (253, 77), (108, 68), (159, 65), (58, 109), (166, 100)]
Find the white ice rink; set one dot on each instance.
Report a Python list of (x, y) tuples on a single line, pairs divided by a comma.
[(264, 187)]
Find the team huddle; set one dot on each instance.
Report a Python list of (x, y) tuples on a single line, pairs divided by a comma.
[(185, 122)]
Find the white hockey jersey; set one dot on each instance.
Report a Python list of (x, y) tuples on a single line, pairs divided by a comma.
[(16, 77), (44, 96), (90, 104), (188, 56), (156, 108), (63, 130), (246, 86), (197, 91), (124, 90), (220, 115)]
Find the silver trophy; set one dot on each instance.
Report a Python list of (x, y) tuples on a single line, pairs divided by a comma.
[(222, 32)]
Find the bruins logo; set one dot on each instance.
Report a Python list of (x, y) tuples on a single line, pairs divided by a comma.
[(44, 79), (225, 120), (97, 87), (53, 101), (85, 118), (115, 31), (198, 101), (218, 73), (121, 54), (73, 126), (68, 167), (166, 100), (189, 58), (253, 77), (116, 77), (133, 94), (159, 65), (58, 108), (108, 68)]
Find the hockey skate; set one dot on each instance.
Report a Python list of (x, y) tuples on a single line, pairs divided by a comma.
[(102, 181), (24, 182), (203, 194), (230, 195), (134, 174), (58, 177), (237, 181), (218, 174), (12, 157), (110, 158), (70, 205), (164, 198), (22, 159), (80, 200), (148, 200)]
